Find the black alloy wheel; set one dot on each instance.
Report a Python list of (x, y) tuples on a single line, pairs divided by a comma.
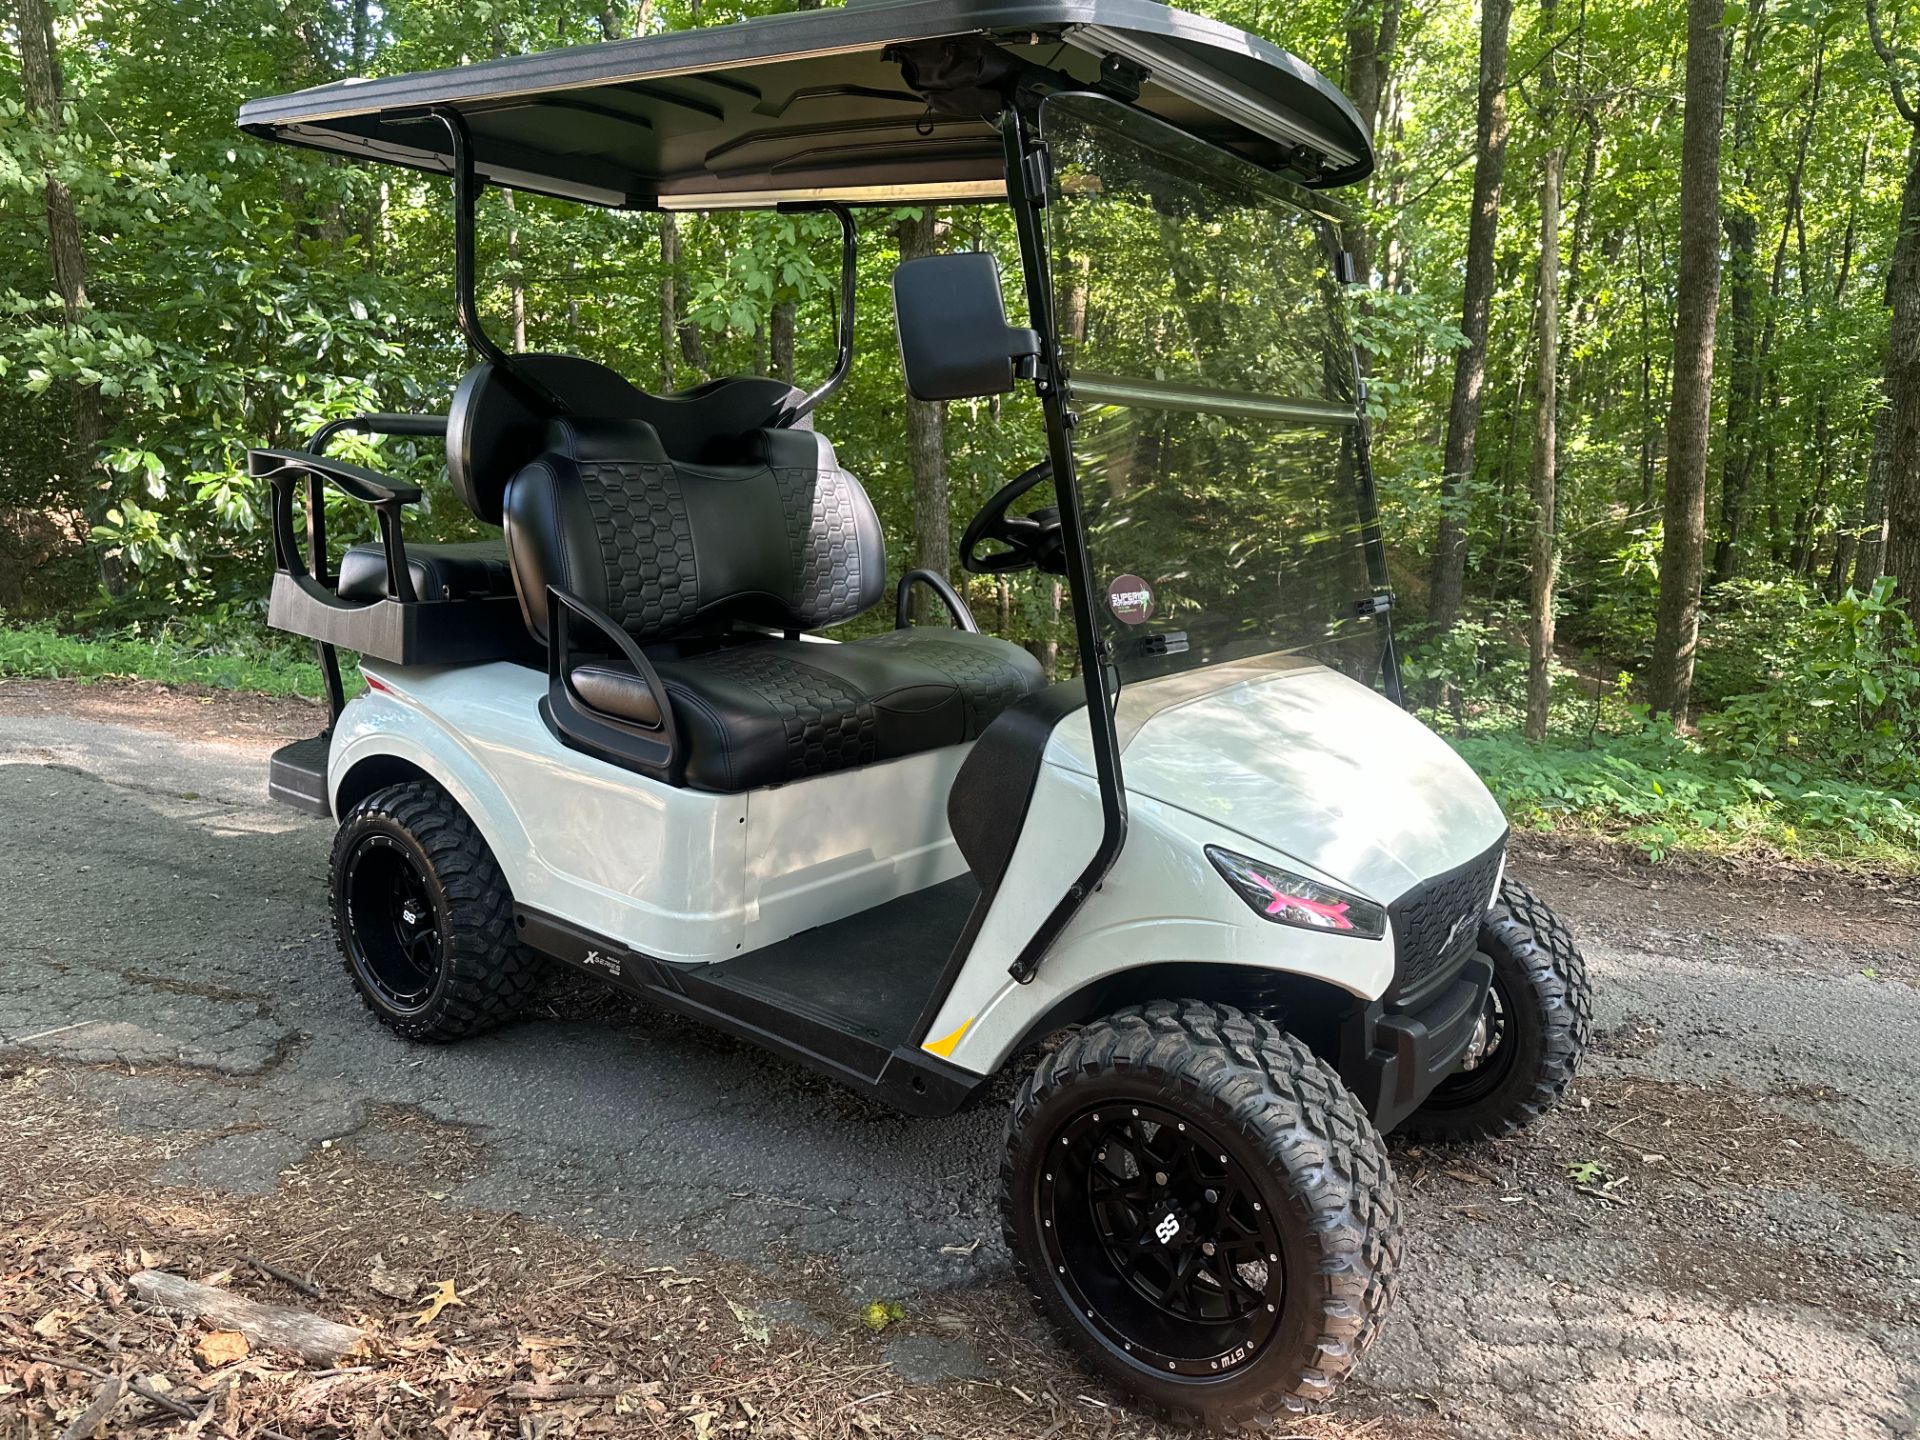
[(393, 930), (1161, 1238), (1201, 1210), (425, 918)]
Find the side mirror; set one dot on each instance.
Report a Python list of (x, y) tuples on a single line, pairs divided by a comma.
[(955, 342)]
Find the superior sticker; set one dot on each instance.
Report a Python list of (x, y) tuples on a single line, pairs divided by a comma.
[(1131, 600)]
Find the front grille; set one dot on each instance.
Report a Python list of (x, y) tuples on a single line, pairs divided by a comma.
[(1436, 924)]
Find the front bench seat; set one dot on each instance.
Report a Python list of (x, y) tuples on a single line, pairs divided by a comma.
[(673, 553)]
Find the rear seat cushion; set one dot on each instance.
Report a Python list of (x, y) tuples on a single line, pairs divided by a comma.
[(771, 711), (463, 570)]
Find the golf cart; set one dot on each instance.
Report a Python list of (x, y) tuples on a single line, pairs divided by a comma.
[(1251, 911)]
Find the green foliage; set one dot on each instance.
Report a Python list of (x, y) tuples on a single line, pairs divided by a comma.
[(267, 667), (1820, 757)]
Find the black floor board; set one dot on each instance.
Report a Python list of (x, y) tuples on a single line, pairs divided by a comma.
[(871, 973)]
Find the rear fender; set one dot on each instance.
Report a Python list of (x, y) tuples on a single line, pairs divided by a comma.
[(381, 737)]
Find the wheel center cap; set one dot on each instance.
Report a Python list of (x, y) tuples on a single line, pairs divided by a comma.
[(411, 913), (1167, 1229)]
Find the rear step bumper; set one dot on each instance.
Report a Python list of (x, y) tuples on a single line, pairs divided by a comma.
[(297, 775)]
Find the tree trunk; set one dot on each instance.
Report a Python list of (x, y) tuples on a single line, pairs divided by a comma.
[(516, 276), (43, 87), (781, 342), (1373, 29), (1902, 468), (669, 317), (1470, 366), (926, 443), (1690, 412), (1544, 551), (1743, 380), (693, 349)]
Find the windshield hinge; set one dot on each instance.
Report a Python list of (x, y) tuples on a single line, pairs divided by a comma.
[(1034, 175), (1169, 642), (1374, 604)]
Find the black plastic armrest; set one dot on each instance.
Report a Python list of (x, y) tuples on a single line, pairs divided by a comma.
[(369, 487), (378, 424), (936, 582), (284, 468), (655, 746)]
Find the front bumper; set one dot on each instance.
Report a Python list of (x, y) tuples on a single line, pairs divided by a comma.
[(1392, 1057)]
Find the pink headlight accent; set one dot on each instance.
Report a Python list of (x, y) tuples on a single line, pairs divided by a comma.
[(1335, 913)]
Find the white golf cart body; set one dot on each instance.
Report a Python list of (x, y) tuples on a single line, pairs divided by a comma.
[(1295, 764)]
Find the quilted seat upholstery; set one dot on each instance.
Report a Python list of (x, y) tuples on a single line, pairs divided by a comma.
[(681, 555)]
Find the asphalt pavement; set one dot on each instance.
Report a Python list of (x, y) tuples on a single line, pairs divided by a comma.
[(168, 941)]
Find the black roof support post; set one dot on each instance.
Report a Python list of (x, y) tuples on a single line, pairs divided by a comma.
[(466, 193), (1025, 166)]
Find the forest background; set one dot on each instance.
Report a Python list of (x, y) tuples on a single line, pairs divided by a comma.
[(1640, 316)]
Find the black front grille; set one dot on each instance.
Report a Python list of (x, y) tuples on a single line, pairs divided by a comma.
[(1436, 924)]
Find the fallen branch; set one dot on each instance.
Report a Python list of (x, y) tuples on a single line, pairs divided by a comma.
[(534, 1390), (315, 1340), (305, 1287), (87, 1423)]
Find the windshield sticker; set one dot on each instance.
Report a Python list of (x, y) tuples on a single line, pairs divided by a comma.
[(1131, 600)]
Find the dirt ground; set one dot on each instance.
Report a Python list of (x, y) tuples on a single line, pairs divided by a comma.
[(650, 1230)]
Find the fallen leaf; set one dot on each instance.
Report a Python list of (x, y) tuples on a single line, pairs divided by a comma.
[(753, 1324), (222, 1347), (443, 1295)]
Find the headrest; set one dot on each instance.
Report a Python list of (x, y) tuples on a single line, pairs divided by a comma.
[(495, 427), (591, 438)]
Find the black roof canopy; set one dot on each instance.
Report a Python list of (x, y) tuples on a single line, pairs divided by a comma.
[(816, 105)]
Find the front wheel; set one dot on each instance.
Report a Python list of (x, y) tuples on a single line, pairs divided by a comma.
[(1202, 1210), (1538, 1020)]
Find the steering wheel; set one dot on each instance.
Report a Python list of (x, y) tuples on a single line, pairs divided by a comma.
[(1032, 540)]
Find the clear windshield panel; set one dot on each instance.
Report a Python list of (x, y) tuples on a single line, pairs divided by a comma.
[(1217, 445)]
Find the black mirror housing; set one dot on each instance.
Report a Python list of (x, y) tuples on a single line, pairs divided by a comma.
[(955, 342)]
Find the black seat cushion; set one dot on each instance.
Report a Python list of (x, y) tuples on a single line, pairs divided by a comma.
[(464, 570), (770, 711)]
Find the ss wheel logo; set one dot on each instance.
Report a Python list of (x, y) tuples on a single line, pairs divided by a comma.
[(1168, 1227)]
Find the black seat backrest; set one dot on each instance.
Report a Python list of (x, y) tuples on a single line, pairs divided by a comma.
[(784, 538), (496, 425)]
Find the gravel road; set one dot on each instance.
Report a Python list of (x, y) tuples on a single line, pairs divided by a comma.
[(1716, 1237)]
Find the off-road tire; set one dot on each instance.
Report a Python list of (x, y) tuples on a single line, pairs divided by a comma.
[(1323, 1168), (487, 975), (1543, 982)]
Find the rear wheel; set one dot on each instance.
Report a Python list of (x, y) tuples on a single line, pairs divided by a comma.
[(424, 917), (1538, 1020), (1202, 1210)]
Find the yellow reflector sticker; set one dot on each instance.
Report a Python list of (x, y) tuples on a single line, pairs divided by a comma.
[(944, 1047)]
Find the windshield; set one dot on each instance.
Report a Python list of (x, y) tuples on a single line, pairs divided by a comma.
[(1217, 449)]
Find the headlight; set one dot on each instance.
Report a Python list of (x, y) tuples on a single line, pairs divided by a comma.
[(1289, 899)]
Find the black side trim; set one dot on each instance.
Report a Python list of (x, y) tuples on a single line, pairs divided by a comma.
[(987, 810), (297, 775), (902, 1076)]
